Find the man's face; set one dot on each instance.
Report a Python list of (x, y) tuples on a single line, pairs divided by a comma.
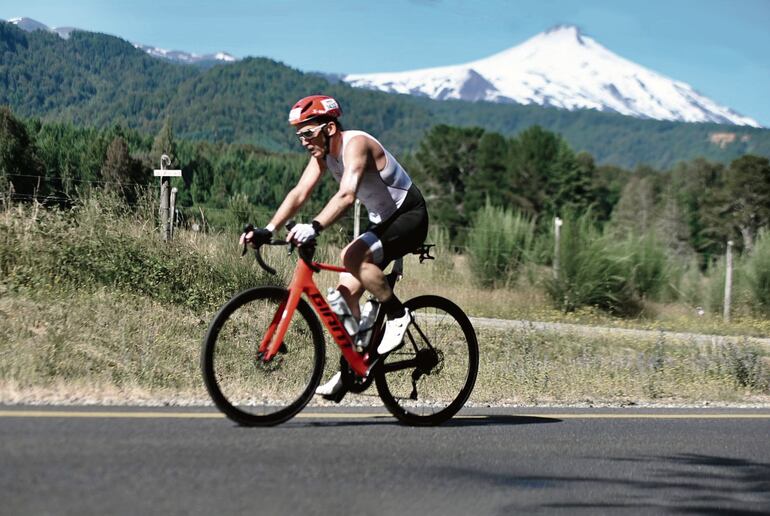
[(311, 136)]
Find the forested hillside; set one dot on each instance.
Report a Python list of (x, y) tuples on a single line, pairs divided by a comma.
[(98, 81)]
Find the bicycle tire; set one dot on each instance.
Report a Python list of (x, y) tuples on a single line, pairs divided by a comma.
[(452, 334), (231, 343)]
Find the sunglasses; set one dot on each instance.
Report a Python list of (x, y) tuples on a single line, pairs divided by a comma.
[(310, 133)]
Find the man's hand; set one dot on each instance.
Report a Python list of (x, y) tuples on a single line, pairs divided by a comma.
[(255, 236), (302, 233)]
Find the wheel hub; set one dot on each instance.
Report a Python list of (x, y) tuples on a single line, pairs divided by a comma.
[(428, 359)]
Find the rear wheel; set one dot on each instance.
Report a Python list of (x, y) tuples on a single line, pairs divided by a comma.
[(248, 390), (428, 379)]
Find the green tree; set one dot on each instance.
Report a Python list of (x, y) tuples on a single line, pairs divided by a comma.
[(569, 185), (490, 172), (533, 154), (20, 168), (698, 186), (164, 144), (120, 172), (748, 196), (448, 159), (636, 210)]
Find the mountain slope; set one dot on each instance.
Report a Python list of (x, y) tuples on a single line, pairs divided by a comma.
[(177, 56), (97, 80), (560, 68)]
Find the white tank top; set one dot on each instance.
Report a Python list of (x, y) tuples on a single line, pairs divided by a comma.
[(383, 191)]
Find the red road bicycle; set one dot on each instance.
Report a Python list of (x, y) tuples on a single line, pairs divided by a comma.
[(264, 352)]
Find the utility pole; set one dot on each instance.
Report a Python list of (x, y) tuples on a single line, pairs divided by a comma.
[(165, 195)]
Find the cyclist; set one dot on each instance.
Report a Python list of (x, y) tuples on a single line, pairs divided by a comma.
[(365, 170)]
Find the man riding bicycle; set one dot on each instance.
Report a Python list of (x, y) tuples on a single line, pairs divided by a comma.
[(367, 171)]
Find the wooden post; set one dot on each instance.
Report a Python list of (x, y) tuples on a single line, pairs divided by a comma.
[(356, 217), (557, 222), (728, 280), (172, 213), (165, 194), (164, 202)]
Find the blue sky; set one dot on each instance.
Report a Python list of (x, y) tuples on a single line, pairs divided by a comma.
[(720, 47)]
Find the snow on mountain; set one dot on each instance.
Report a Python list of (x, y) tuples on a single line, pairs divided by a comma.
[(562, 68), (184, 57), (30, 25)]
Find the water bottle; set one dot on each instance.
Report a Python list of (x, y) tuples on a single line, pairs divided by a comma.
[(341, 308), (368, 318)]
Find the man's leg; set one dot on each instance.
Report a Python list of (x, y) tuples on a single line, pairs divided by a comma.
[(358, 258), (362, 275), (351, 289)]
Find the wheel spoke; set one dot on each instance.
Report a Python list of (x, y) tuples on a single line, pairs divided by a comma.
[(428, 384), (246, 388)]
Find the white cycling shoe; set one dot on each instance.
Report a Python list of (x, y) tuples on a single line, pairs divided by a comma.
[(394, 333), (332, 387)]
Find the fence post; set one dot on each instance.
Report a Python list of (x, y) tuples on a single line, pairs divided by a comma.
[(172, 212), (557, 222), (728, 281), (165, 194)]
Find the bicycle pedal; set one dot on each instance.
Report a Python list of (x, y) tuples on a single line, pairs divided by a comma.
[(337, 396)]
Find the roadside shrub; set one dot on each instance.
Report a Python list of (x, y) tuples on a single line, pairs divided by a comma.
[(647, 266), (592, 271), (99, 243), (757, 270), (687, 282), (499, 243)]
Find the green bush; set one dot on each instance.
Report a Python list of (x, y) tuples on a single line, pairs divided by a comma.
[(757, 269), (499, 243), (101, 243), (593, 271), (686, 282), (647, 266)]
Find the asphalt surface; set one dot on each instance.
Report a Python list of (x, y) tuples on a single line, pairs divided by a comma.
[(105, 460)]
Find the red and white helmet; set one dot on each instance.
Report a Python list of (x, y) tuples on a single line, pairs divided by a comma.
[(312, 107)]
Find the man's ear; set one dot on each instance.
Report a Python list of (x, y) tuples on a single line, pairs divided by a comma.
[(329, 132)]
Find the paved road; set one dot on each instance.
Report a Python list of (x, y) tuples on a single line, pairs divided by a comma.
[(359, 461)]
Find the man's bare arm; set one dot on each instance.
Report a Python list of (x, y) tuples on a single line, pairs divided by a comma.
[(299, 194), (356, 157)]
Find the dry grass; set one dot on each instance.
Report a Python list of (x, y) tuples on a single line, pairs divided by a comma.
[(107, 347), (82, 327)]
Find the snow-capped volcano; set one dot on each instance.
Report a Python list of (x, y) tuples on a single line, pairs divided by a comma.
[(30, 25), (562, 68)]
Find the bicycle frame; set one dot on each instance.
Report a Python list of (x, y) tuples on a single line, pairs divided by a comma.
[(302, 283)]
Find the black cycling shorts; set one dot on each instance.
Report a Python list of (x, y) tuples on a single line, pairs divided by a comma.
[(402, 233)]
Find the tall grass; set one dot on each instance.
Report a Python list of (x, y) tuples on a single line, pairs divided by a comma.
[(757, 270), (647, 265), (100, 242), (592, 271), (499, 243)]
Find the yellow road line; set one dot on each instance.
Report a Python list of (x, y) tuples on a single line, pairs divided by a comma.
[(362, 415)]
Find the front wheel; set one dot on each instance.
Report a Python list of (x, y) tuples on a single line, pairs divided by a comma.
[(428, 379), (248, 390)]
